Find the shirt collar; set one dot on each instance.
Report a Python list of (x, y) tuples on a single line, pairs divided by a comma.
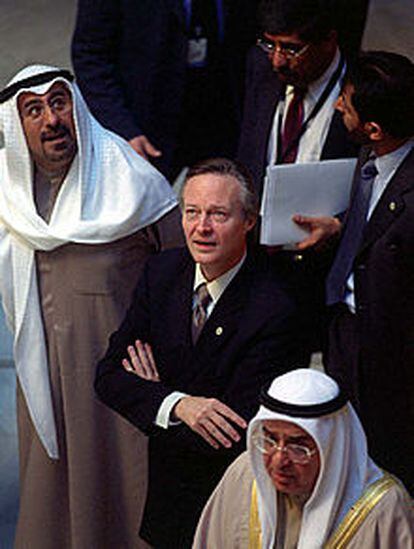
[(386, 164), (217, 286)]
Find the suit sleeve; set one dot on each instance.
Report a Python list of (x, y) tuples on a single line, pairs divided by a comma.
[(266, 343), (95, 51), (279, 347), (271, 350), (136, 399)]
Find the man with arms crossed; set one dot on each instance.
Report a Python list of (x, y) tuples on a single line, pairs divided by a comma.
[(207, 326)]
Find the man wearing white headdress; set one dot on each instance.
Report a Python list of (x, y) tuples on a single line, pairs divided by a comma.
[(79, 214), (306, 480)]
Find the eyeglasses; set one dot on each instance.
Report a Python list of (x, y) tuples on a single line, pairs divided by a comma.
[(59, 104), (288, 52), (295, 452)]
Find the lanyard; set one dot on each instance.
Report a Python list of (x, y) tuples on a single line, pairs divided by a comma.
[(219, 13), (220, 20), (320, 103), (187, 10)]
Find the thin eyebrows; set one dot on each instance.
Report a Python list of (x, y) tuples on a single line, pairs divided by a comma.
[(296, 439), (27, 103), (273, 436), (210, 207), (32, 101), (59, 93)]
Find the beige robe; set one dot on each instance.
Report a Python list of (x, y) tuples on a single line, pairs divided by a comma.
[(224, 523), (92, 497)]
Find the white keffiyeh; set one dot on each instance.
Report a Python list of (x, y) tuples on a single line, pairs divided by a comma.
[(345, 467), (108, 193)]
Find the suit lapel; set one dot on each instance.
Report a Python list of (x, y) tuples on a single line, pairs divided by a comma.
[(391, 203), (180, 303), (224, 320)]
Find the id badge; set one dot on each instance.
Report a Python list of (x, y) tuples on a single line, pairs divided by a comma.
[(197, 52)]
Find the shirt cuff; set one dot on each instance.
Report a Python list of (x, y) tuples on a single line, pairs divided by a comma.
[(164, 412)]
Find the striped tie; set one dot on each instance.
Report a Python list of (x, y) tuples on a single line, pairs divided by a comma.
[(202, 300)]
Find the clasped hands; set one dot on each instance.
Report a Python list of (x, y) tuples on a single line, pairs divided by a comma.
[(208, 417)]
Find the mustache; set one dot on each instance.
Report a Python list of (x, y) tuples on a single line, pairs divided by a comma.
[(54, 133), (284, 71)]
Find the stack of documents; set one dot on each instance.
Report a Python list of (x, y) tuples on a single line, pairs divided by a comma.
[(311, 189)]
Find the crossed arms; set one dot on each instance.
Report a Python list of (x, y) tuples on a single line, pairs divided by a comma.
[(220, 379)]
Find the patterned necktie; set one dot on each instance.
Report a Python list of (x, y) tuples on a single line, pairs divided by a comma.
[(352, 237), (291, 128), (202, 300)]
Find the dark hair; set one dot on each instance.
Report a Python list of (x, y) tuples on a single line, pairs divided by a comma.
[(311, 19), (229, 168), (384, 91)]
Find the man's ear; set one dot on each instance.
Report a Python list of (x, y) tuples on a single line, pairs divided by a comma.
[(374, 131), (250, 222)]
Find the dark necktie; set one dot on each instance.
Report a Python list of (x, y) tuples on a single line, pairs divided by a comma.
[(352, 237), (291, 128), (202, 300)]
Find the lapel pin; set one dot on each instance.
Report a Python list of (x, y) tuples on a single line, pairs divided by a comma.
[(392, 206), (219, 331)]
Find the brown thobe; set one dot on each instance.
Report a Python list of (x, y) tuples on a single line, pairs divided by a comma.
[(224, 523), (92, 496)]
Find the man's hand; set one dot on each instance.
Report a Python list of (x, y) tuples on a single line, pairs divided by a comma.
[(141, 361), (209, 418), (320, 230), (144, 147)]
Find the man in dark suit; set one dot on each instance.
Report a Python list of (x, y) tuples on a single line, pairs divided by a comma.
[(166, 75), (371, 284), (297, 55), (192, 387), (294, 77)]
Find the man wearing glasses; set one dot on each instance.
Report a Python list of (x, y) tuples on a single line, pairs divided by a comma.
[(294, 77), (80, 213), (306, 479)]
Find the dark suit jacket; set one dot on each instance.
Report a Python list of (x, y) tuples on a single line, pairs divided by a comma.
[(305, 272), (263, 93), (384, 296), (130, 62), (260, 337)]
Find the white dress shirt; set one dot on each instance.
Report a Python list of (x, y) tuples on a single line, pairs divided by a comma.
[(312, 141), (386, 165), (215, 288)]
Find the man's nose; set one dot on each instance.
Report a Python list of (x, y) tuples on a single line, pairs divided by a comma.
[(204, 222), (50, 117), (278, 59), (280, 457)]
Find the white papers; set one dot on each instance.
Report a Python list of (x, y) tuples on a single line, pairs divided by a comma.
[(314, 188)]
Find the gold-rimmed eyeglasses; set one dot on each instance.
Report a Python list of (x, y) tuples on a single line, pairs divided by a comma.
[(288, 52), (295, 452)]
